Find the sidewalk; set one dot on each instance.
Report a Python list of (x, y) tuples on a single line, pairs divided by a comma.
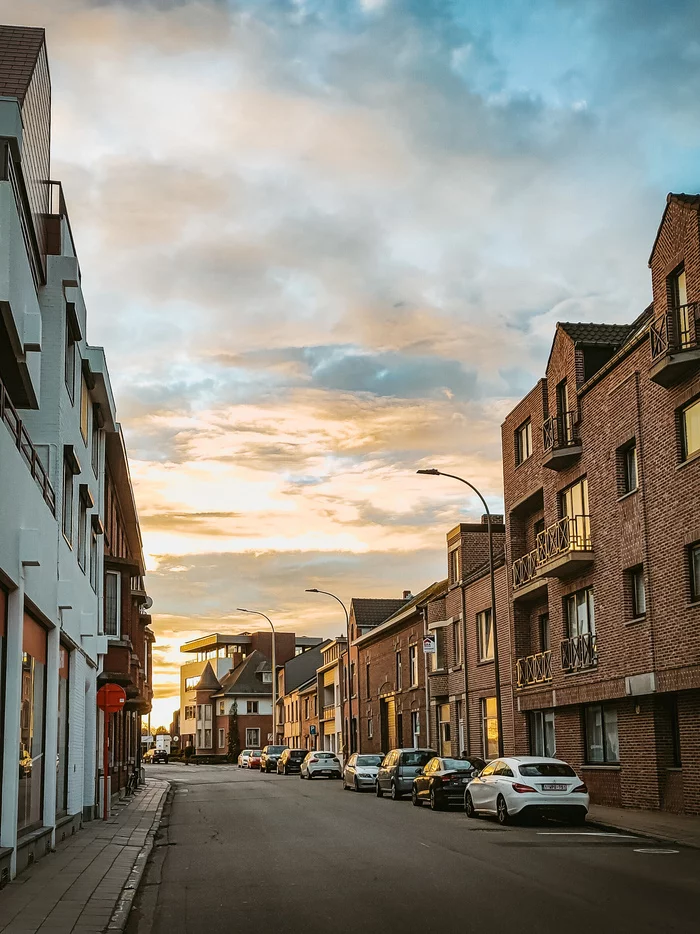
[(87, 885), (673, 828)]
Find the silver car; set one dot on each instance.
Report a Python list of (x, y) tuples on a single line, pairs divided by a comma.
[(399, 768), (361, 770)]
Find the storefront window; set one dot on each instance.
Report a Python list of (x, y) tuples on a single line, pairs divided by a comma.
[(62, 752), (31, 737)]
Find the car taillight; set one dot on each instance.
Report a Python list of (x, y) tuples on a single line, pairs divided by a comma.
[(313, 760), (523, 789), (583, 789)]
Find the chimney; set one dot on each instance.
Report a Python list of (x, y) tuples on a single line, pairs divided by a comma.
[(407, 595)]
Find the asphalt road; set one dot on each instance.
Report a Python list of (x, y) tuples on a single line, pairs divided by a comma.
[(243, 851)]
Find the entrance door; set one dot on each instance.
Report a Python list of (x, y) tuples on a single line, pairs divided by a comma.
[(445, 733), (388, 724)]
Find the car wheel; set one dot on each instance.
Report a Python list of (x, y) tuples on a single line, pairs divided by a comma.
[(395, 793), (355, 786), (310, 775), (415, 800), (378, 791), (435, 803), (502, 811), (469, 806)]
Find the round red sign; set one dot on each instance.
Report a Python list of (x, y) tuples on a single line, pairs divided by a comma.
[(111, 698)]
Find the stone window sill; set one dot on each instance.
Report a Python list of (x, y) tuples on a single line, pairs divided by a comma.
[(689, 460), (637, 619), (628, 494)]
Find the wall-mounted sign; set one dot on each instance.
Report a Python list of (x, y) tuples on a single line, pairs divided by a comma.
[(429, 644), (312, 729)]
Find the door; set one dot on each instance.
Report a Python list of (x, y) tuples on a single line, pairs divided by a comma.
[(388, 723), (444, 733), (501, 783), (479, 789), (423, 781), (574, 505), (384, 773), (565, 427)]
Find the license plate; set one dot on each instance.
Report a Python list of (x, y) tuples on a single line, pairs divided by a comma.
[(464, 781), (554, 787), (325, 771)]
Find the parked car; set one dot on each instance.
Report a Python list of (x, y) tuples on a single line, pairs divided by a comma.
[(361, 770), (155, 755), (243, 759), (398, 769), (270, 757), (290, 761), (527, 784), (254, 758), (320, 763), (443, 781)]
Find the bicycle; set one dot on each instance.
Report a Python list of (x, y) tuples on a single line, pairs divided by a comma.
[(132, 782)]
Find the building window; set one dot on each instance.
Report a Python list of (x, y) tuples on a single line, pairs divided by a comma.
[(489, 727), (94, 568), (523, 442), (113, 605), (694, 560), (67, 509), (544, 632), (267, 677), (453, 565), (413, 665), (84, 409), (31, 727), (207, 738), (580, 613), (415, 728), (352, 679), (399, 673), (690, 429), (444, 730), (191, 683), (460, 726), (95, 441), (367, 684), (602, 745), (370, 729), (222, 739), (639, 596), (542, 738), (484, 631), (221, 707), (82, 534), (678, 298), (438, 659), (69, 361), (628, 462), (252, 706), (574, 506), (190, 712), (457, 641)]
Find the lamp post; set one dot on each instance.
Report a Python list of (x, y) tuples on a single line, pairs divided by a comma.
[(347, 631), (240, 609), (434, 472)]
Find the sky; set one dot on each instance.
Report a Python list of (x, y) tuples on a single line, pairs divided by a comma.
[(326, 243)]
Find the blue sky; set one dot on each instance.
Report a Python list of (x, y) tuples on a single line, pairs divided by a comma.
[(326, 243)]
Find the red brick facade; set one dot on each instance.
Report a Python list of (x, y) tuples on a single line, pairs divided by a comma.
[(645, 666)]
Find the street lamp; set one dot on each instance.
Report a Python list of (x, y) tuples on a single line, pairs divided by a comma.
[(241, 609), (347, 630), (434, 472)]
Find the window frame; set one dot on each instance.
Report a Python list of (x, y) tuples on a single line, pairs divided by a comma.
[(629, 466), (370, 728), (248, 743), (368, 687), (523, 442), (636, 576), (485, 719), (252, 707), (590, 612), (538, 723), (686, 454), (118, 606), (606, 711), (69, 351), (84, 409), (68, 502), (414, 671), (482, 617), (453, 569), (694, 571), (457, 641), (399, 670)]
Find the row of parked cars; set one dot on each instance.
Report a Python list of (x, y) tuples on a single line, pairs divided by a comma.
[(504, 788)]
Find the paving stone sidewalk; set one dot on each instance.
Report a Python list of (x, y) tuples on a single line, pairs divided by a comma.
[(673, 828), (87, 885)]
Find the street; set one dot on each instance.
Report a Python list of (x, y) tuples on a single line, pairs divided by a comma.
[(245, 851)]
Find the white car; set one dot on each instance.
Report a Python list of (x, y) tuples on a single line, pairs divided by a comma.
[(243, 758), (320, 763), (527, 784), (361, 770)]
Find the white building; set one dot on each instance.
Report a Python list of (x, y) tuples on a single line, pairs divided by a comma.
[(56, 408)]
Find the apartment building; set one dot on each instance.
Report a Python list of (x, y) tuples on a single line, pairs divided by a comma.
[(601, 465), (58, 417), (329, 678), (295, 680), (390, 698)]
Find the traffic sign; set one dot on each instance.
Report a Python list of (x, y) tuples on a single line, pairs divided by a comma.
[(429, 644), (111, 698), (312, 729)]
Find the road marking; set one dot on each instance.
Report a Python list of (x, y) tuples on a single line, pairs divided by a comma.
[(426, 845), (653, 850), (584, 833)]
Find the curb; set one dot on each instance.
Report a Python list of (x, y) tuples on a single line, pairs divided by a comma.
[(642, 834), (120, 915)]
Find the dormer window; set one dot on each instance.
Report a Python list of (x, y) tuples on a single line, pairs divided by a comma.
[(267, 677)]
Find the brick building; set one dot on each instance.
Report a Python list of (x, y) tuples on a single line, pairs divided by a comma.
[(461, 673), (389, 699), (295, 682), (601, 464)]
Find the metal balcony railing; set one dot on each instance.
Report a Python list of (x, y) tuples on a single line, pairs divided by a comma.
[(571, 533), (675, 330), (579, 652), (534, 669), (561, 431), (8, 414)]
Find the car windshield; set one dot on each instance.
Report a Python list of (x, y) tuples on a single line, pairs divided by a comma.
[(275, 750), (324, 755), (416, 758), (459, 765), (546, 769), (369, 760)]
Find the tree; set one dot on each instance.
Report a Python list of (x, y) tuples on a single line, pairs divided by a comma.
[(162, 731), (234, 747)]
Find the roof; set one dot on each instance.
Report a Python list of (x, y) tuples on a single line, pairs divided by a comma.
[(370, 612), (408, 607), (299, 669), (20, 47), (243, 679), (208, 681), (692, 202), (609, 335), (214, 640)]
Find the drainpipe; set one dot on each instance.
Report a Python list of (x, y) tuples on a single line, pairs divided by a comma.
[(427, 688)]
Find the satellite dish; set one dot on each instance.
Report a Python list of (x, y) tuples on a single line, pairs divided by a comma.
[(148, 603)]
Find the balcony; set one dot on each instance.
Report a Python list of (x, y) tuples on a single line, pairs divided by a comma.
[(534, 669), (23, 443), (563, 550), (675, 345), (329, 712), (579, 652), (561, 440)]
